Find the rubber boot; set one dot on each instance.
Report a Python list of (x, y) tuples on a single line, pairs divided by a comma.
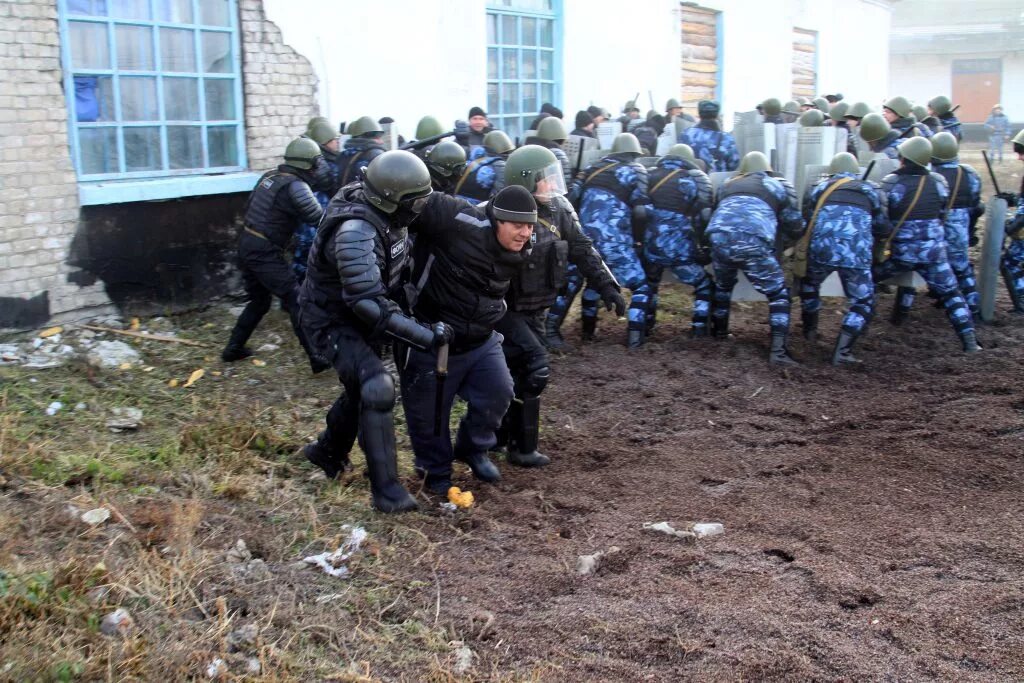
[(524, 432), (844, 348), (970, 342), (699, 328), (1015, 297), (377, 439), (232, 353), (720, 326), (553, 335), (900, 310), (810, 325), (635, 335), (779, 354), (589, 327)]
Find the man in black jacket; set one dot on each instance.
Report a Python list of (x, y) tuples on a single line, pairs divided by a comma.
[(282, 200), (465, 257)]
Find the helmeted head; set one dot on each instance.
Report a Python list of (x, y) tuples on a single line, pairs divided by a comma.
[(538, 170), (899, 105), (630, 109), (919, 112), (626, 143), (917, 150), (515, 212), (365, 127), (447, 158), (838, 111), (672, 107), (428, 127), (683, 152), (821, 104), (832, 99), (940, 105), (302, 153), (552, 129), (873, 127), (792, 108), (397, 182), (945, 147), (812, 118), (497, 142), (313, 121), (323, 134), (844, 162), (771, 106), (858, 110), (708, 109), (754, 162), (1018, 143)]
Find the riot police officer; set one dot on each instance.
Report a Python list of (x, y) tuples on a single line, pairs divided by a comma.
[(558, 241), (1012, 263), (349, 311), (281, 201), (942, 108), (326, 136), (709, 143), (551, 135), (446, 162), (485, 175), (899, 113), (879, 135), (756, 212), (365, 145), (843, 214)]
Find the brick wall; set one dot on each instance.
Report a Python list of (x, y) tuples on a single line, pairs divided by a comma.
[(280, 88), (38, 190)]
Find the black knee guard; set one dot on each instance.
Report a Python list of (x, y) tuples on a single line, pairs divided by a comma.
[(378, 393)]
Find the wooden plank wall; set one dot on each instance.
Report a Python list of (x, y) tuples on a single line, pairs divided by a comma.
[(805, 46), (699, 56)]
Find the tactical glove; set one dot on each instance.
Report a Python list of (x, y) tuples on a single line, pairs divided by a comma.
[(613, 299), (443, 335), (1010, 197), (973, 240)]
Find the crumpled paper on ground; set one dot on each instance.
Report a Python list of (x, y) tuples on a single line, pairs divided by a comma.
[(333, 563)]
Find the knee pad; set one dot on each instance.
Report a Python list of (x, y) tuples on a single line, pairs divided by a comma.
[(535, 380), (378, 392)]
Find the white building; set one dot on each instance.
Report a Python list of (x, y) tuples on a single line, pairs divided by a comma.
[(131, 130)]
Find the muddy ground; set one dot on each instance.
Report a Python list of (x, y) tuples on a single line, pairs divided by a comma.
[(874, 518)]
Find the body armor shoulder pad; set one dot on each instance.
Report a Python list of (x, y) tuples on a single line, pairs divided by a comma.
[(356, 260), (890, 181)]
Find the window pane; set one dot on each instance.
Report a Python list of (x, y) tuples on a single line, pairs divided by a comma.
[(184, 146), (492, 62), (94, 98), (214, 13), (138, 99), (94, 8), (529, 29), (547, 32), (508, 30), (181, 99), (547, 66), (220, 99), (178, 11), (129, 9), (134, 48), (510, 98), (98, 150), (177, 51), (222, 143), (142, 149), (512, 128), (530, 97), (492, 98), (529, 64), (216, 52), (492, 29), (547, 93), (526, 121), (510, 63), (89, 47)]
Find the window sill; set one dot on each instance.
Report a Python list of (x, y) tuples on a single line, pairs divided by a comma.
[(122, 191)]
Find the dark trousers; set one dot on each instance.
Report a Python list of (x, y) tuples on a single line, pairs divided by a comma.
[(480, 377), (524, 349), (265, 274)]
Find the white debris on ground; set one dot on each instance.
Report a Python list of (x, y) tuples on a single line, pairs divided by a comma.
[(334, 563), (124, 419)]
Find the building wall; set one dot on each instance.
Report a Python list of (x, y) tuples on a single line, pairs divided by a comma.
[(922, 77)]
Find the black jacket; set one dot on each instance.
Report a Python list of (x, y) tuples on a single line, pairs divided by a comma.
[(281, 200)]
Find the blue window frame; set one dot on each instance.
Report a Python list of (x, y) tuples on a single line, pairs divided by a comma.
[(153, 87), (524, 57)]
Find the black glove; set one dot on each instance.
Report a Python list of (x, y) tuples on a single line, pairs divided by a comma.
[(973, 240), (612, 298), (1010, 197), (443, 334), (702, 255)]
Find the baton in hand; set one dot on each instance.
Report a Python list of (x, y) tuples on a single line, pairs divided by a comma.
[(440, 375)]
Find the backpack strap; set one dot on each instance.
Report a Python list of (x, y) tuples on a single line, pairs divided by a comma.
[(800, 256), (887, 246)]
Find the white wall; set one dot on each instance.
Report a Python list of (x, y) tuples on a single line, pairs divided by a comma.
[(922, 77)]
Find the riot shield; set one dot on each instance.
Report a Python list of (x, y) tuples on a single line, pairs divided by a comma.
[(813, 174), (883, 167), (814, 147), (665, 141), (682, 124), (719, 177), (390, 135), (576, 148), (991, 253), (785, 150), (648, 162)]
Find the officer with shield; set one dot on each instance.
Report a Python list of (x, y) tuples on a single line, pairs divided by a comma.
[(485, 175), (709, 143), (1012, 262)]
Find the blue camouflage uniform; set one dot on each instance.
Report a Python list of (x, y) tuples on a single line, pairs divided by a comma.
[(1012, 262), (919, 242), (887, 145), (965, 208), (307, 232), (841, 238), (607, 192), (951, 124), (679, 192), (752, 213), (355, 156), (909, 126), (715, 148)]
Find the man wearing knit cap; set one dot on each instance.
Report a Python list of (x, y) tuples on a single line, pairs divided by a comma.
[(471, 136), (598, 114), (584, 125), (461, 279)]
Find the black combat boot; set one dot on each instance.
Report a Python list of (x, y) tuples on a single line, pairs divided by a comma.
[(437, 484), (779, 354), (635, 336), (901, 310), (524, 433), (553, 335), (377, 439), (699, 327), (720, 326), (810, 325), (1015, 297), (232, 353), (330, 451), (843, 352), (970, 342), (589, 327)]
